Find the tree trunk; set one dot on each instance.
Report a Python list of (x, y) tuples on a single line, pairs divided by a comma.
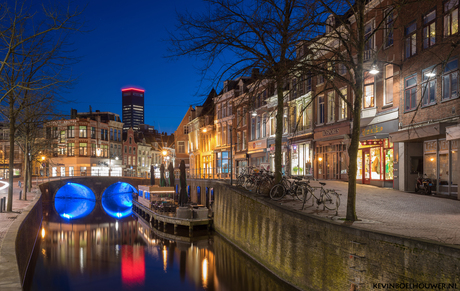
[(279, 129), (25, 173), (356, 112), (9, 206)]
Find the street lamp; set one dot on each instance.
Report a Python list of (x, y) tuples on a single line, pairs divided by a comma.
[(374, 70)]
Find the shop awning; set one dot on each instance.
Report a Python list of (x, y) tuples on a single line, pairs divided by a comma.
[(416, 132), (257, 151)]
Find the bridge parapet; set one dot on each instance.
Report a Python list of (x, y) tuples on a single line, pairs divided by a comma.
[(96, 184)]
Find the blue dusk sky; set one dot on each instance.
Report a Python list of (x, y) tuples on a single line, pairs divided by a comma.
[(125, 46)]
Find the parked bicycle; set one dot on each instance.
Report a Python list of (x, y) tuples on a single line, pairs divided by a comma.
[(287, 186), (329, 198)]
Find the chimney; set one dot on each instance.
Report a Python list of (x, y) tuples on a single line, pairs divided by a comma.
[(73, 113), (90, 110)]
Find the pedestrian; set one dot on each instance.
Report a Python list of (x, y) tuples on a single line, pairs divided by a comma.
[(19, 183)]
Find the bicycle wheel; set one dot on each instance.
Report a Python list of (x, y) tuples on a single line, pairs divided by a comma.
[(331, 200), (277, 192), (303, 193), (264, 186)]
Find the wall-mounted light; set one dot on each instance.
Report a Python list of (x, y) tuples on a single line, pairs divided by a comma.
[(374, 70), (204, 130), (164, 153), (320, 159), (98, 152), (254, 113)]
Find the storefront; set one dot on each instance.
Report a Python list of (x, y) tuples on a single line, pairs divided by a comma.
[(302, 158), (257, 153), (222, 162), (284, 154), (376, 154), (331, 156), (430, 150), (241, 162), (375, 162)]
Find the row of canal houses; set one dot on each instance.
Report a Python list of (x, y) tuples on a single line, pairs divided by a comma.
[(405, 129)]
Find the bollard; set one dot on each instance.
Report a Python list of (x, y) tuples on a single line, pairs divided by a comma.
[(20, 194), (2, 204)]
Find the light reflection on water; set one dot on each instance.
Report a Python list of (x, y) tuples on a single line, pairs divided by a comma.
[(127, 255)]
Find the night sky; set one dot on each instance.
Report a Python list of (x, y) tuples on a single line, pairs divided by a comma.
[(125, 46)]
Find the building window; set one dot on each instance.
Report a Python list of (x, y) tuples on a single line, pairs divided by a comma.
[(450, 17), (82, 132), (71, 131), (111, 134), (428, 86), (429, 29), (130, 148), (253, 128), (320, 80), (238, 141), (389, 23), (62, 136), (126, 149), (93, 132), (369, 38), (388, 84), (71, 149), (410, 90), (285, 120), (342, 69), (411, 39), (93, 149), (244, 140), (229, 106), (264, 125), (369, 92), (219, 113), (330, 106), (55, 132), (119, 135), (320, 109), (181, 147), (343, 104), (105, 150), (83, 149), (273, 124), (244, 116), (450, 80)]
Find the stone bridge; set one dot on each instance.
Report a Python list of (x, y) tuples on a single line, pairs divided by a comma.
[(96, 184)]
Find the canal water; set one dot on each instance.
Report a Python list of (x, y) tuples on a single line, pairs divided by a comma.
[(101, 252)]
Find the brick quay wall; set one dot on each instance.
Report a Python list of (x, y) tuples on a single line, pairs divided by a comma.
[(321, 254)]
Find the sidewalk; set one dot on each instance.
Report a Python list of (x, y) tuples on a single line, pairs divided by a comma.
[(7, 218), (391, 211)]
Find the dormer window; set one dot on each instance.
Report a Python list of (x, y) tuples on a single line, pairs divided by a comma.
[(330, 23)]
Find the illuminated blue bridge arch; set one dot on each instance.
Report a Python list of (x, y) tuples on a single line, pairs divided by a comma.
[(73, 201), (117, 199)]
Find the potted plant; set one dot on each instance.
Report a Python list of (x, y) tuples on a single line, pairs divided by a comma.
[(300, 171), (295, 169)]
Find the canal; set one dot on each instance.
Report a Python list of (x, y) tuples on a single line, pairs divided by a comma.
[(101, 252)]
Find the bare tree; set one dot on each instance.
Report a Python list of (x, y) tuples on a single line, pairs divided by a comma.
[(34, 44), (255, 34)]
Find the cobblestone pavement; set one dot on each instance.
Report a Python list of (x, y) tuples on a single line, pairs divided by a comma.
[(7, 218), (392, 211)]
